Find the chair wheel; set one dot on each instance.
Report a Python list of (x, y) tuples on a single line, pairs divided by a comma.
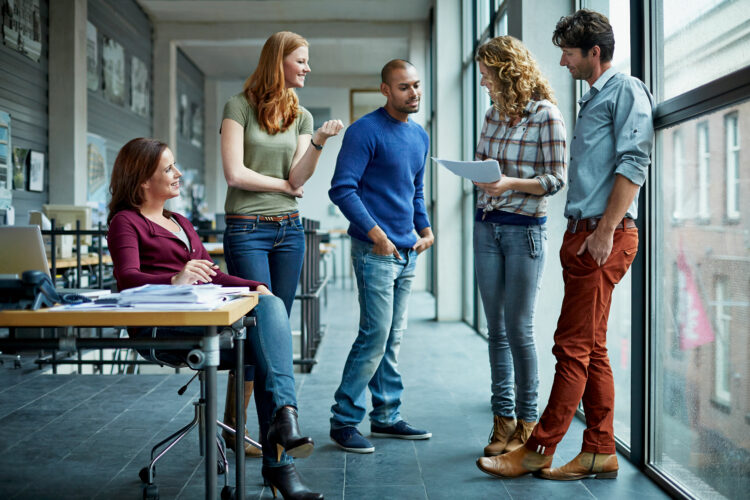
[(151, 492), (228, 493), (143, 474)]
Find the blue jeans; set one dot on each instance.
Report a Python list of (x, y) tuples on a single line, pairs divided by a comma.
[(271, 252), (269, 348), (384, 285), (509, 261)]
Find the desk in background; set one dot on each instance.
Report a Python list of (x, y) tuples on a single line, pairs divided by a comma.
[(226, 315)]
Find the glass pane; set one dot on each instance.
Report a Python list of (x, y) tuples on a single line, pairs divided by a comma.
[(483, 16), (701, 287), (699, 41), (501, 24), (618, 328), (618, 13)]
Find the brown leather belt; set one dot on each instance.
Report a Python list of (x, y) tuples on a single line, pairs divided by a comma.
[(578, 225), (264, 218)]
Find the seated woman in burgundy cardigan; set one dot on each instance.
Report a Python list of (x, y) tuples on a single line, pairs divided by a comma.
[(151, 245)]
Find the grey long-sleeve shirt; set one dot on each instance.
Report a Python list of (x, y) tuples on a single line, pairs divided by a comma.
[(613, 135)]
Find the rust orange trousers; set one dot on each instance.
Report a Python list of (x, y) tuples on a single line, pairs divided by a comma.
[(582, 372)]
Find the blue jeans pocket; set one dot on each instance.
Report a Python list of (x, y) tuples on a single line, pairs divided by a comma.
[(240, 228)]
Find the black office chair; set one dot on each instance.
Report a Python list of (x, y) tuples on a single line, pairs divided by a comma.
[(195, 360)]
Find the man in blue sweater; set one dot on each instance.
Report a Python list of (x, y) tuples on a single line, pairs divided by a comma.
[(379, 187)]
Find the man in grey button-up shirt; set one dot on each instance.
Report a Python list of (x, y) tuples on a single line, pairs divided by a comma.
[(609, 156)]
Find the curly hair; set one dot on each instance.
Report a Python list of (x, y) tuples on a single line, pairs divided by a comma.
[(266, 84), (515, 75), (585, 29)]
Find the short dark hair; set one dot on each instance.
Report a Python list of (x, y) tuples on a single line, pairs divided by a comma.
[(584, 30), (385, 73)]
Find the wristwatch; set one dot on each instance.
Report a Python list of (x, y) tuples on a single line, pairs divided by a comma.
[(316, 146)]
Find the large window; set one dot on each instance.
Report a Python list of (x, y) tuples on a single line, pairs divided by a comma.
[(702, 302), (699, 41), (678, 158)]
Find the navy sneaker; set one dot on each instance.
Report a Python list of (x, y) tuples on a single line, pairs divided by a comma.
[(349, 439), (400, 430)]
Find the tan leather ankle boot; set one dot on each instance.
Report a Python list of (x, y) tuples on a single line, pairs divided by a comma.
[(502, 429), (585, 465), (230, 417), (514, 464), (520, 435)]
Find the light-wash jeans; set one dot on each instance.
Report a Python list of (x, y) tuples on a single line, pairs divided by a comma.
[(509, 261), (384, 285)]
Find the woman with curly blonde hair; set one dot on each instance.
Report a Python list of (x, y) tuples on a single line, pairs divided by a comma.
[(524, 131)]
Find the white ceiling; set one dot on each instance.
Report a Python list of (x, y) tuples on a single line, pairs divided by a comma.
[(348, 38)]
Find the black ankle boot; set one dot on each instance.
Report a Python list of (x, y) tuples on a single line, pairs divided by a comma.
[(287, 481), (284, 435)]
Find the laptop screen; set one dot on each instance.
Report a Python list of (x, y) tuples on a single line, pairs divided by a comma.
[(22, 249)]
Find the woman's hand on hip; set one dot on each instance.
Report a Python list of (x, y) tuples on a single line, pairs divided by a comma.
[(195, 271)]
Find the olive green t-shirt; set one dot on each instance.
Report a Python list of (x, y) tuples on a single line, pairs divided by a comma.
[(266, 154)]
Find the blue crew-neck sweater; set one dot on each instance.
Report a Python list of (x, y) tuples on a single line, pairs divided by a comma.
[(379, 178)]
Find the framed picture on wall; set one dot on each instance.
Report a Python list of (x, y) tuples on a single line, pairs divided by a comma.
[(36, 171), (22, 27), (362, 101), (20, 157), (92, 58), (6, 195), (320, 116), (114, 71), (139, 91)]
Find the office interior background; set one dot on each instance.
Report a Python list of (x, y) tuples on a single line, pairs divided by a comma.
[(80, 78)]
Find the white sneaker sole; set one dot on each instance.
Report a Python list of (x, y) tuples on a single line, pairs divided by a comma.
[(401, 436), (353, 450)]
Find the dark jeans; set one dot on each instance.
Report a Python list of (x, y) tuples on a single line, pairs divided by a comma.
[(270, 252), (269, 348)]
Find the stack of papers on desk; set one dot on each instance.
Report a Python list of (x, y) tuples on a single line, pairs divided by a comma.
[(179, 296), (167, 298)]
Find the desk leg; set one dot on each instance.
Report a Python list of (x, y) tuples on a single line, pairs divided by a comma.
[(212, 356), (239, 435)]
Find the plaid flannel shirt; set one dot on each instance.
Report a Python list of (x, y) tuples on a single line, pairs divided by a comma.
[(532, 149)]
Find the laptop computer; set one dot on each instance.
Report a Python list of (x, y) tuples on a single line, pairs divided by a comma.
[(22, 249)]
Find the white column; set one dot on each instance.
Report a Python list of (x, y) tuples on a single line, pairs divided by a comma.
[(447, 139), (213, 174), (165, 90), (67, 102)]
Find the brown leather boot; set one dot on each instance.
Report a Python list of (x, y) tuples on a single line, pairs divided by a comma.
[(520, 435), (502, 428), (585, 465), (230, 416), (513, 464)]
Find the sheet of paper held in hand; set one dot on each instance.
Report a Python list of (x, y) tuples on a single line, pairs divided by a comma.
[(477, 171)]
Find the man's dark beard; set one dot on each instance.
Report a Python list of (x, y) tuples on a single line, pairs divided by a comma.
[(406, 110)]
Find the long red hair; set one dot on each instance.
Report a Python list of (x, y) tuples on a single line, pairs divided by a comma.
[(267, 85)]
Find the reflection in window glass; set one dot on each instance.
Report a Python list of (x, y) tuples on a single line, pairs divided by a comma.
[(700, 338), (733, 167), (699, 41), (723, 321), (704, 183), (679, 174)]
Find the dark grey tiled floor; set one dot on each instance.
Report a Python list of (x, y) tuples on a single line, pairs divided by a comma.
[(88, 436)]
